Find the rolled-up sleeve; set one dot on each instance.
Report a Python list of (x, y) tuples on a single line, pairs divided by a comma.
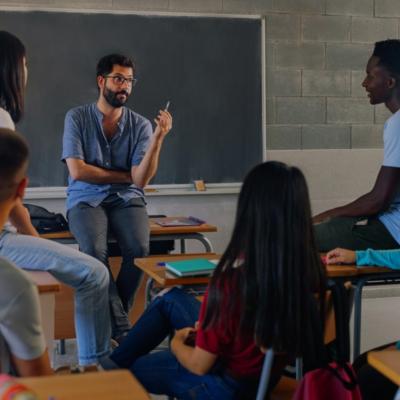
[(72, 138)]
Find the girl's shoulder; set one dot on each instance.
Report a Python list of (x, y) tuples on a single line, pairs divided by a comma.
[(5, 120)]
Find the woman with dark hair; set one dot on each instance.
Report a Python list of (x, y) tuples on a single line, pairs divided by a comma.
[(258, 298), (13, 76), (20, 243)]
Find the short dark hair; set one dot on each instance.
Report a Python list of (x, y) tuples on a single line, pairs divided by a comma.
[(12, 79), (388, 52), (13, 158), (106, 63)]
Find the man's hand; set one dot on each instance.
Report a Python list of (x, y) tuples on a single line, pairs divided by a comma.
[(341, 256), (163, 124)]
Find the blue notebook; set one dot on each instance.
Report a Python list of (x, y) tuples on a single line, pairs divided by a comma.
[(193, 267)]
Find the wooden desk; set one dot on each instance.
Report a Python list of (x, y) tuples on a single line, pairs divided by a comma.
[(161, 277), (116, 385), (387, 362), (157, 233), (359, 276), (149, 265), (47, 286)]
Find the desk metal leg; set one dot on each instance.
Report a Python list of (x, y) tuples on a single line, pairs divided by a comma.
[(357, 316), (149, 287), (299, 368), (183, 237)]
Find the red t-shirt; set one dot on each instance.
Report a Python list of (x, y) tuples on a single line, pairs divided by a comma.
[(239, 354)]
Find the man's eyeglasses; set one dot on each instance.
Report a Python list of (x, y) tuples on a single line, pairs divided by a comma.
[(120, 80)]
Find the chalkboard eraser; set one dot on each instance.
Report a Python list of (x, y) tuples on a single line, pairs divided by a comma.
[(150, 190), (199, 185)]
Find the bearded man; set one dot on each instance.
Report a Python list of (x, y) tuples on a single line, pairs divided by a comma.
[(112, 154)]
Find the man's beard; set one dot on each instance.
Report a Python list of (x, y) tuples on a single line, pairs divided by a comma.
[(112, 97)]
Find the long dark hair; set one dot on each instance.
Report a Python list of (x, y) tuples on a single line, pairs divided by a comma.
[(279, 266), (12, 77)]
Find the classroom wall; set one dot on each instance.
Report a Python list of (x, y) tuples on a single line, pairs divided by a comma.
[(318, 116)]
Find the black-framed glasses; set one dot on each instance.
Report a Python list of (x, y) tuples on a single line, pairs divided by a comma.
[(120, 80)]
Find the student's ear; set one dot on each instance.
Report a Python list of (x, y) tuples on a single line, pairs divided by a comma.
[(392, 82), (21, 188)]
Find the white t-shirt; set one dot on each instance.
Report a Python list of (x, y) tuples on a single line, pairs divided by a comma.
[(7, 122), (20, 323), (391, 158)]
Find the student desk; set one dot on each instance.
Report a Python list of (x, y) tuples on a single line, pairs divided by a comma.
[(116, 385), (158, 275), (387, 362), (47, 286), (359, 276), (157, 233)]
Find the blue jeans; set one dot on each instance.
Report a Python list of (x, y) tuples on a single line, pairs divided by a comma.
[(85, 274), (129, 223), (160, 372)]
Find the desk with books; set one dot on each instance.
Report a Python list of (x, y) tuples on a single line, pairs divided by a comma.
[(359, 276), (160, 277), (157, 233)]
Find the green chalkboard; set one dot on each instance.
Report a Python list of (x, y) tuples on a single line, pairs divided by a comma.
[(210, 69)]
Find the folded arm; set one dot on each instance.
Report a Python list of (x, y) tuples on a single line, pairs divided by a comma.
[(81, 171)]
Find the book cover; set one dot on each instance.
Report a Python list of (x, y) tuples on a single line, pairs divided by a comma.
[(195, 266)]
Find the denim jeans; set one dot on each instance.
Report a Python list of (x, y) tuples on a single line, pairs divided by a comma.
[(160, 372), (129, 223), (85, 274)]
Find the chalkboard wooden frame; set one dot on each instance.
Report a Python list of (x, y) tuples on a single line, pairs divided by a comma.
[(42, 147)]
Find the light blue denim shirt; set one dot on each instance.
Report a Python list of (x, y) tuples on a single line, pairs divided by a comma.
[(84, 139)]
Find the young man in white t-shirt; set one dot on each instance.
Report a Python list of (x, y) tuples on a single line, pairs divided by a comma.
[(22, 346), (373, 220)]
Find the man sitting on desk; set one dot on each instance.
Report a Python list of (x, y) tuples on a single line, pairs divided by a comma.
[(373, 220), (111, 156)]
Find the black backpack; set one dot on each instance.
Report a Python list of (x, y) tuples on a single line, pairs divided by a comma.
[(45, 221)]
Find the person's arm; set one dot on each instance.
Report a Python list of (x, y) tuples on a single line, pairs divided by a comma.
[(341, 256), (142, 173), (377, 200), (194, 359), (36, 367), (380, 258), (74, 155), (20, 218), (21, 327), (81, 171)]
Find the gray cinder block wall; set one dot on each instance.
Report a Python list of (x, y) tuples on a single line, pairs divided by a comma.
[(316, 54)]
